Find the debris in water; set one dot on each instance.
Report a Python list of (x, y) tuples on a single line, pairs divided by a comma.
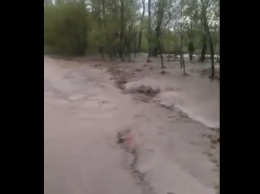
[(120, 82), (163, 72), (120, 138), (122, 135), (168, 89), (138, 70), (147, 90), (214, 141)]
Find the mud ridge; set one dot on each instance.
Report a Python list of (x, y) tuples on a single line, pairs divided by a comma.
[(123, 139), (121, 78)]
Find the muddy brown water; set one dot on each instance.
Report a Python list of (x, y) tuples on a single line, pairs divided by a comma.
[(83, 112)]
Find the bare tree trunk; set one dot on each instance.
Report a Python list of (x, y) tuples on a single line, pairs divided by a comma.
[(101, 51), (157, 46), (97, 13), (190, 56), (134, 45), (212, 61), (159, 18), (161, 54), (191, 50), (181, 52), (208, 34), (182, 61), (204, 48), (191, 47), (129, 40), (149, 30), (141, 30), (121, 36), (212, 53)]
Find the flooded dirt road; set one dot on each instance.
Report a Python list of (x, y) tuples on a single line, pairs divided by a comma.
[(80, 151), (83, 112)]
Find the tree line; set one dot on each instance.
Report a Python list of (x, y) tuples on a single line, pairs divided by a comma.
[(122, 28)]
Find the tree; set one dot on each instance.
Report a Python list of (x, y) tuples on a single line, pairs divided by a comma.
[(149, 30), (117, 28), (65, 28), (191, 16), (160, 6), (181, 24), (206, 5), (141, 27)]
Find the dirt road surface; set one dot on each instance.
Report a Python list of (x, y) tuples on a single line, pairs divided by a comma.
[(84, 111)]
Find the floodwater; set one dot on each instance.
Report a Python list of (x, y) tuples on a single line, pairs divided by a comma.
[(80, 153), (83, 111), (196, 96)]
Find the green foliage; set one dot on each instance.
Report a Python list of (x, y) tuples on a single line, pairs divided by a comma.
[(86, 26), (65, 29)]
